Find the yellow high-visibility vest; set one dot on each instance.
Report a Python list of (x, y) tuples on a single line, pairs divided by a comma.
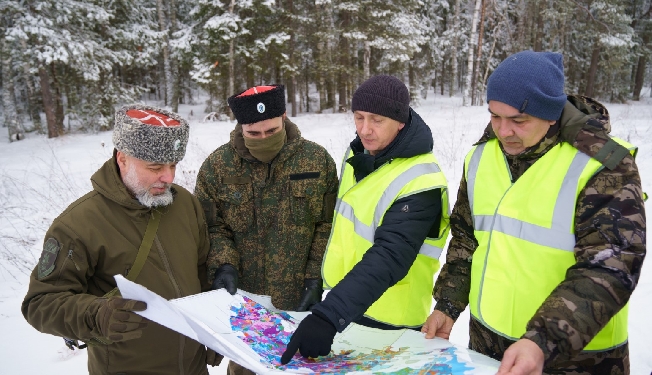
[(526, 236), (360, 210)]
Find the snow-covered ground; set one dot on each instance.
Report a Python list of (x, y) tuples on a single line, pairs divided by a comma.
[(39, 177)]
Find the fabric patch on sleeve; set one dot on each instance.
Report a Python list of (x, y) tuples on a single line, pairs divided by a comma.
[(51, 249)]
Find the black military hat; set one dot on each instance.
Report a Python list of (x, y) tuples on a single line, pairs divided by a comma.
[(258, 103)]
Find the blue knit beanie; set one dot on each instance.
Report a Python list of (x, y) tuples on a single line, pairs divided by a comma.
[(532, 82)]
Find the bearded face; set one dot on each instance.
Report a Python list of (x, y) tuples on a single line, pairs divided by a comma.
[(154, 194), (149, 183)]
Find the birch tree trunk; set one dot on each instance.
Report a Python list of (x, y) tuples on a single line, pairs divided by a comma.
[(167, 68), (321, 82), (466, 98), (231, 62), (176, 78), (293, 78), (475, 100), (12, 121), (453, 79), (538, 36), (367, 59), (343, 51)]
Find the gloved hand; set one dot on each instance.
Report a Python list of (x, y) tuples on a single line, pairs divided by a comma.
[(116, 321), (213, 358), (226, 276), (311, 294), (313, 337)]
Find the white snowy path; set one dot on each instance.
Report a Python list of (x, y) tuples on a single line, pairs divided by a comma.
[(40, 177)]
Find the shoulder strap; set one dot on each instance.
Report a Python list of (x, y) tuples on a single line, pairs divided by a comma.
[(141, 257), (143, 250), (611, 154)]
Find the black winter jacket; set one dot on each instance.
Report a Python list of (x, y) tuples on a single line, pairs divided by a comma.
[(397, 240)]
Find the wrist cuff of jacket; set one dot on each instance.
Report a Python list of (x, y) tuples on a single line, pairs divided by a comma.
[(539, 338), (323, 317), (449, 309)]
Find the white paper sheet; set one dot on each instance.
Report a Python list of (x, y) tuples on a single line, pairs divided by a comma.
[(205, 317)]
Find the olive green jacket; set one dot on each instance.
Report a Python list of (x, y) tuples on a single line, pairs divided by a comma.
[(97, 237), (270, 221)]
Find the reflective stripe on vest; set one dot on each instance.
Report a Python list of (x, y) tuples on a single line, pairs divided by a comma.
[(518, 237), (359, 211), (386, 200), (563, 216)]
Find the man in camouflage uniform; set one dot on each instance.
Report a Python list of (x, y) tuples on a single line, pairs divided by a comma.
[(531, 117), (101, 234), (269, 196)]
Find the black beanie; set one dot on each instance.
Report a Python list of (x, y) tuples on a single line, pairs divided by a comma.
[(383, 95), (258, 104)]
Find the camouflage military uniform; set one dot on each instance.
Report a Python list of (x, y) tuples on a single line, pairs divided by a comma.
[(609, 252), (270, 221)]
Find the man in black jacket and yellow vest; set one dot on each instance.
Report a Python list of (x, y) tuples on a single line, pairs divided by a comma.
[(391, 222)]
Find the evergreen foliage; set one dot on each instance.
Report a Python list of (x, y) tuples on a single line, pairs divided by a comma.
[(71, 62)]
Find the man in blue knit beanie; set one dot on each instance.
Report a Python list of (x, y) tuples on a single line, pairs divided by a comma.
[(548, 230)]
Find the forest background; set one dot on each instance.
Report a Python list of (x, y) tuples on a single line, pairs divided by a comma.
[(67, 64)]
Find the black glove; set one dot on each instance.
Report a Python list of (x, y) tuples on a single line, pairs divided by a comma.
[(313, 337), (226, 276), (311, 294)]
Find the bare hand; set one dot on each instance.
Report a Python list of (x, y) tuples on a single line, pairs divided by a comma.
[(438, 324), (524, 357)]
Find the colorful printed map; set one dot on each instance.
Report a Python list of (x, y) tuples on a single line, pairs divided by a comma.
[(248, 330), (267, 334)]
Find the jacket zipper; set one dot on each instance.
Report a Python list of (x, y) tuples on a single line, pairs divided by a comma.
[(70, 255)]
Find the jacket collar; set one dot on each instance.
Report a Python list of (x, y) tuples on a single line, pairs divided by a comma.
[(107, 182), (584, 122), (414, 139)]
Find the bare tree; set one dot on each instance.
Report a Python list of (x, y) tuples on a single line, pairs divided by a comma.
[(48, 102), (169, 78), (644, 56), (456, 24), (593, 69), (12, 120), (466, 99), (475, 99)]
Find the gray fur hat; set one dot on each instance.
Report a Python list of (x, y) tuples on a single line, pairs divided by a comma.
[(151, 134)]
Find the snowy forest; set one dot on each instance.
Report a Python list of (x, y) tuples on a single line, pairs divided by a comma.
[(67, 64)]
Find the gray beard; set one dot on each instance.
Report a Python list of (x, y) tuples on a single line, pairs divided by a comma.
[(142, 194)]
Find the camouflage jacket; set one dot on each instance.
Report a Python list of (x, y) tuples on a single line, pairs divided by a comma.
[(270, 221), (609, 251)]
